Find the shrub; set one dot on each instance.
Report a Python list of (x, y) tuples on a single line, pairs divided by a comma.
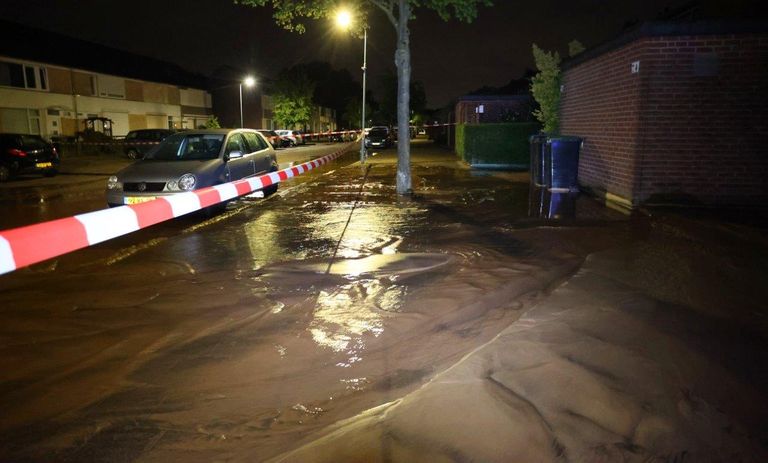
[(500, 145)]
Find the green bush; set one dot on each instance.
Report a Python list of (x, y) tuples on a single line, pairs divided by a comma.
[(497, 145)]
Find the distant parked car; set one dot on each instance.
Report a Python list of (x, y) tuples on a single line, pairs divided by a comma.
[(191, 160), (23, 154), (378, 137), (139, 142), (276, 140), (294, 136)]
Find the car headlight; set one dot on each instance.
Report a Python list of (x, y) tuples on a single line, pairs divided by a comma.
[(114, 184), (187, 182)]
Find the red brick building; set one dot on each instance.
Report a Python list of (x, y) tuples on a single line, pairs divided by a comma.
[(673, 112)]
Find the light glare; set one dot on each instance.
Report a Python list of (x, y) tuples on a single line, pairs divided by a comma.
[(343, 19)]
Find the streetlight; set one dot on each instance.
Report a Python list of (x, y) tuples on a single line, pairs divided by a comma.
[(344, 21), (249, 82)]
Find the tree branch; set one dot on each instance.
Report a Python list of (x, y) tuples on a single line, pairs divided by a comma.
[(386, 6)]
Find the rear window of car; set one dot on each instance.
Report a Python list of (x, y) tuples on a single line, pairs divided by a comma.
[(33, 142)]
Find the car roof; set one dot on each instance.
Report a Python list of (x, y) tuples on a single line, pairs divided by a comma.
[(214, 131)]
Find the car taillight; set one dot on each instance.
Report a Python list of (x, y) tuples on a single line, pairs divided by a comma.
[(17, 152)]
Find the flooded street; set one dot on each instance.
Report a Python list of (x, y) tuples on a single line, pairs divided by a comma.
[(247, 335)]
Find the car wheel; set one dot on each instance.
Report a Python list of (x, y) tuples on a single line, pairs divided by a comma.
[(5, 173), (133, 154)]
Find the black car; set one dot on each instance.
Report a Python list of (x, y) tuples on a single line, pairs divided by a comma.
[(139, 142), (23, 154), (378, 137)]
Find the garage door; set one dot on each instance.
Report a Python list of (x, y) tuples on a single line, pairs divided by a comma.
[(121, 125)]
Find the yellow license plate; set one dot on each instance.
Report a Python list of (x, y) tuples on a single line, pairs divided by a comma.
[(42, 165), (138, 199)]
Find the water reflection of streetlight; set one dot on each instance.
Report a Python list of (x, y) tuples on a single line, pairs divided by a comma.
[(249, 82), (344, 21)]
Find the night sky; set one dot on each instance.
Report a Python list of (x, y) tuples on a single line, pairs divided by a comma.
[(450, 58)]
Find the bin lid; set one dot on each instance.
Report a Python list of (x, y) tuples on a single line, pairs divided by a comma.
[(565, 138)]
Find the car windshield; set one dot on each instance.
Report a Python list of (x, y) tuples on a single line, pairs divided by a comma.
[(378, 132), (182, 147)]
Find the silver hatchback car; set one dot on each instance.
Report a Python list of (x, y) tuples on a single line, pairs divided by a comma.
[(188, 161)]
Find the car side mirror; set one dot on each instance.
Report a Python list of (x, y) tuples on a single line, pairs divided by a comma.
[(233, 155)]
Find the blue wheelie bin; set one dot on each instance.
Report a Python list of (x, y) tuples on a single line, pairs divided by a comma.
[(563, 169)]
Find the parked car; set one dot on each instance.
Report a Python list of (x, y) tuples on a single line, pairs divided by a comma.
[(378, 137), (139, 142), (294, 136), (23, 154), (276, 140), (191, 160)]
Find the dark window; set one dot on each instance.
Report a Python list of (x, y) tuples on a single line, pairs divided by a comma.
[(32, 143), (31, 81), (255, 142), (236, 143), (188, 146), (378, 132), (11, 74), (43, 81)]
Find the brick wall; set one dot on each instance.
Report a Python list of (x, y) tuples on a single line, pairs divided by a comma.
[(691, 125), (704, 119), (601, 103)]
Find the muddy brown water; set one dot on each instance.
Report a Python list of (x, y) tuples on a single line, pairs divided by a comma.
[(236, 337)]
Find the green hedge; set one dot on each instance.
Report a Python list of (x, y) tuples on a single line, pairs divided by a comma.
[(495, 145)]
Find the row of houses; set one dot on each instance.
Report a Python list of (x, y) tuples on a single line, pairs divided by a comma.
[(49, 84)]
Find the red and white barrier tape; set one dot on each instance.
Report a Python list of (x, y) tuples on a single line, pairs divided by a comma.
[(304, 135), (23, 246)]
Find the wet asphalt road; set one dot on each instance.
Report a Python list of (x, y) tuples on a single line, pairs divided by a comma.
[(234, 337)]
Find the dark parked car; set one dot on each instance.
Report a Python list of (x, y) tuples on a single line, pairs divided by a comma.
[(378, 137), (192, 160), (276, 140), (139, 142), (22, 154)]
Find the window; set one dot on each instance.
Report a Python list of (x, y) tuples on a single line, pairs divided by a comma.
[(23, 76), (33, 143), (11, 74), (111, 87), (255, 142), (236, 143)]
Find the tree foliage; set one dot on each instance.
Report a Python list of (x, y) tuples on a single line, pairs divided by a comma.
[(575, 47), (333, 88), (353, 112), (387, 113), (289, 13), (292, 95), (545, 86), (212, 123)]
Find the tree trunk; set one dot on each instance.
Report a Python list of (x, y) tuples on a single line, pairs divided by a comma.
[(403, 62)]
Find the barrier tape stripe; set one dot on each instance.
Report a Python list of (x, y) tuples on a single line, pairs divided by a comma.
[(30, 244), (305, 135)]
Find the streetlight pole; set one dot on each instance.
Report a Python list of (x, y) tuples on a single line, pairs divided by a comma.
[(249, 82), (241, 105), (343, 20), (365, 65)]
